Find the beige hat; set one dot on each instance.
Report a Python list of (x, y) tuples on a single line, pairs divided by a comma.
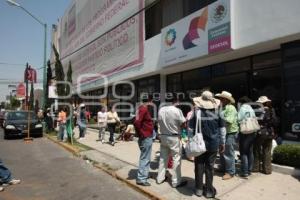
[(226, 95), (206, 101), (82, 105), (263, 99)]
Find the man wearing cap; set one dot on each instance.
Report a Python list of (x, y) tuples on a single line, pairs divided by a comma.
[(229, 115), (171, 120)]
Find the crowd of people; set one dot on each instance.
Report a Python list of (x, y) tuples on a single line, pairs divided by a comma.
[(222, 125)]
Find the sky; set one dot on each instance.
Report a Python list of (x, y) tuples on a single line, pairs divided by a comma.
[(22, 38)]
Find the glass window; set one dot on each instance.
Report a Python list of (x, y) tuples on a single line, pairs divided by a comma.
[(153, 20), (196, 79), (272, 59), (172, 11), (231, 67), (191, 6)]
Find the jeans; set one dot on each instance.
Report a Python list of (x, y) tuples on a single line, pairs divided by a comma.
[(5, 174), (145, 145), (82, 130), (170, 145), (61, 132), (111, 128), (101, 133), (228, 157), (262, 153), (246, 151), (205, 164)]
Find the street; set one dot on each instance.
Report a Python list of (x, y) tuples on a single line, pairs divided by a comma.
[(48, 172)]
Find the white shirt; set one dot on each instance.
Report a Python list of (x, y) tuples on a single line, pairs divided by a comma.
[(102, 119), (170, 120)]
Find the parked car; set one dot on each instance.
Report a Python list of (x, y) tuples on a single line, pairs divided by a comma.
[(2, 114), (16, 124)]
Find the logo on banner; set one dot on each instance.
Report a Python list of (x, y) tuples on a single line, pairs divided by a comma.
[(219, 12), (170, 37), (196, 29)]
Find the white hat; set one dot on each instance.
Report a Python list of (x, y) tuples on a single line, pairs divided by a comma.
[(82, 105), (263, 99), (206, 101), (226, 95)]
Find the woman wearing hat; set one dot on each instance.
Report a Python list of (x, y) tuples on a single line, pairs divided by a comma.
[(263, 143), (229, 115), (214, 139)]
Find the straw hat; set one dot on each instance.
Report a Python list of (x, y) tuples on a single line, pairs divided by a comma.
[(263, 99), (82, 105), (206, 101), (226, 95)]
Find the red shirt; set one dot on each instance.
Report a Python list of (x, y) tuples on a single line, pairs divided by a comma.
[(143, 122)]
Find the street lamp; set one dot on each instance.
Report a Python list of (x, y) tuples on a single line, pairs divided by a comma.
[(13, 3)]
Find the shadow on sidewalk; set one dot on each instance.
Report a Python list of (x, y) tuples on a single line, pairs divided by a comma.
[(132, 174)]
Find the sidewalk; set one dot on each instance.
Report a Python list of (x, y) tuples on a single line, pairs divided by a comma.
[(123, 160)]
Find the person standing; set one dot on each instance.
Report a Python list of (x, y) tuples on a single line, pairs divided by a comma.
[(171, 121), (213, 131), (102, 123), (144, 128), (229, 115), (246, 140), (62, 120), (112, 120), (82, 122), (263, 143)]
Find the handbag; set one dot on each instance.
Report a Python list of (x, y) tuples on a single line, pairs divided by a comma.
[(249, 125), (196, 145)]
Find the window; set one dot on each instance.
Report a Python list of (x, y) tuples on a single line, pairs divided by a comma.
[(272, 59), (153, 20), (191, 6), (231, 67), (171, 11)]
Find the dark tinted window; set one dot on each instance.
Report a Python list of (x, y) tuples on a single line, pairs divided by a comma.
[(20, 116)]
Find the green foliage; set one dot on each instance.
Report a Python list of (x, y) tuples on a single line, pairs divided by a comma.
[(14, 103), (92, 121), (59, 73), (49, 77), (69, 78), (31, 99), (287, 154)]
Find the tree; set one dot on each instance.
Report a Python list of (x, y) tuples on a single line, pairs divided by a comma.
[(31, 98), (49, 77), (14, 103), (59, 73), (69, 78)]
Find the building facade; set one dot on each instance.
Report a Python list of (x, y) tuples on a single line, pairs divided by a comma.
[(262, 55)]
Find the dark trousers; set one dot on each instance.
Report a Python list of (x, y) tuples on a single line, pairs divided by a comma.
[(246, 152), (262, 154), (111, 128), (82, 129), (205, 164)]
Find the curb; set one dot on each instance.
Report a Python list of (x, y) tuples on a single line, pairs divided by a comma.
[(286, 170), (112, 173), (142, 190), (65, 146)]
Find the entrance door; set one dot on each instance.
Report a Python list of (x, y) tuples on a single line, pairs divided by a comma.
[(291, 73)]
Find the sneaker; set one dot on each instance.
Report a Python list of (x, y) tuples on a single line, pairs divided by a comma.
[(198, 192), (183, 183), (102, 141), (14, 182), (227, 176), (147, 184), (112, 143), (1, 189)]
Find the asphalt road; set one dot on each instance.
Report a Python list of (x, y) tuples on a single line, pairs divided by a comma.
[(48, 172)]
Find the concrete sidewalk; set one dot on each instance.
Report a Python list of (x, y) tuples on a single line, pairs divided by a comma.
[(123, 160)]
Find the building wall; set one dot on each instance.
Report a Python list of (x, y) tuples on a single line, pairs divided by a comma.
[(259, 21)]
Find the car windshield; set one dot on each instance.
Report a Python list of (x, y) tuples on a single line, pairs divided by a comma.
[(20, 115)]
